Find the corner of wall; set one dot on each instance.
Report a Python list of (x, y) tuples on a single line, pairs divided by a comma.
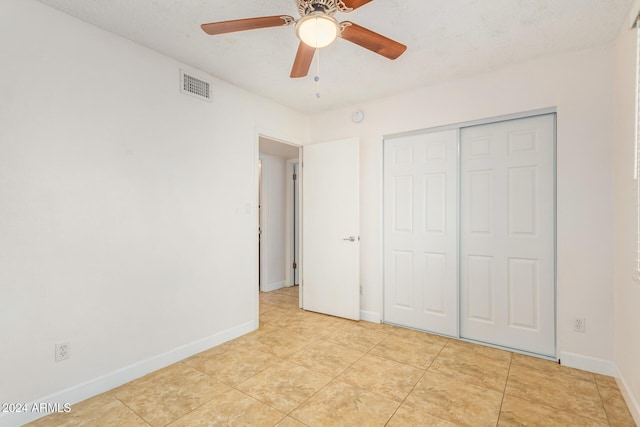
[(632, 403)]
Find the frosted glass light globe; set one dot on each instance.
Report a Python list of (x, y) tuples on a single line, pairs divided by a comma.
[(317, 30)]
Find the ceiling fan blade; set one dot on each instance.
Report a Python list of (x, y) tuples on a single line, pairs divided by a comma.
[(370, 40), (354, 4), (303, 60), (246, 24)]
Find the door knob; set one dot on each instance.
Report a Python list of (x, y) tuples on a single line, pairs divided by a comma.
[(350, 238)]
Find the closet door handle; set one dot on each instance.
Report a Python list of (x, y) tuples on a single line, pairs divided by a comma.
[(350, 239)]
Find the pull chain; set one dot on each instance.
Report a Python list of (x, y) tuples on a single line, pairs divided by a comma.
[(317, 77)]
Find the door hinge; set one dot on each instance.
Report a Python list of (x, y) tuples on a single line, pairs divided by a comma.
[(295, 176), (295, 265)]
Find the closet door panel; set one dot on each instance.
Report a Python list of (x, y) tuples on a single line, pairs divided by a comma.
[(420, 232), (507, 216)]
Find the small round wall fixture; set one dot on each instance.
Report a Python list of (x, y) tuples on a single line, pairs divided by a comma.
[(357, 116)]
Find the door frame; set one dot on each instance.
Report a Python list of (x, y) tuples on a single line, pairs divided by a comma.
[(292, 219), (284, 139), (459, 126)]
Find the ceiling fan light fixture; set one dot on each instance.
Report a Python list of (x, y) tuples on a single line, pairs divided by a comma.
[(317, 29)]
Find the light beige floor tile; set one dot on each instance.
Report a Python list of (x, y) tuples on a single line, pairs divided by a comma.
[(605, 381), (312, 315), (282, 343), (327, 326), (317, 326), (246, 340), (284, 385), (419, 335), (483, 350), (341, 404), (412, 417), (290, 422), (235, 366), (288, 301), (552, 368), (352, 335), (103, 410), (471, 366), (252, 338), (232, 408), (382, 327), (326, 357), (388, 378), (338, 324), (291, 291), (559, 389), (455, 401), (282, 317), (279, 300), (519, 412), (264, 307), (168, 394), (310, 330), (419, 351), (614, 404)]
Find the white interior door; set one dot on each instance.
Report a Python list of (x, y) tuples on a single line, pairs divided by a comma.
[(330, 228), (420, 231), (507, 254)]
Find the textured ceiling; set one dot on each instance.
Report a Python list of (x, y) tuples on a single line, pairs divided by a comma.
[(446, 40)]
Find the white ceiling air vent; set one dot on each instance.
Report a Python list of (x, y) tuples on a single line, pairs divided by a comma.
[(194, 86)]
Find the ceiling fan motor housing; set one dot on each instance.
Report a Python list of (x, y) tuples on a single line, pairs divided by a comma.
[(330, 7)]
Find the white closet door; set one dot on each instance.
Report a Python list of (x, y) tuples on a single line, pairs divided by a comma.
[(507, 254), (420, 231)]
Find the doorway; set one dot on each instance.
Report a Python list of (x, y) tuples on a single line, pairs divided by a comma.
[(278, 214), (321, 216)]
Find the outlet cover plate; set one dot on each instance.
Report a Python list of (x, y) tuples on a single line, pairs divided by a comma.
[(63, 351)]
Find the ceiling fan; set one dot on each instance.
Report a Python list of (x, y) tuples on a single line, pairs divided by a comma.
[(316, 28)]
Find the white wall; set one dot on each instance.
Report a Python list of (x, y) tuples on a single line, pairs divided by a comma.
[(273, 211), (580, 86), (127, 210), (627, 301)]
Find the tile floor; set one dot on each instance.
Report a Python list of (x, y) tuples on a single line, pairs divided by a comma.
[(306, 369)]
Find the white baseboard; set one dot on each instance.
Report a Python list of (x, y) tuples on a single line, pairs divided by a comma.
[(115, 379), (632, 403), (590, 364), (268, 287), (370, 316)]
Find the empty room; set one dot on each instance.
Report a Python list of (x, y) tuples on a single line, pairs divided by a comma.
[(319, 213)]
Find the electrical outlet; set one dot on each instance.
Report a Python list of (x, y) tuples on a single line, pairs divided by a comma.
[(579, 324), (63, 351)]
